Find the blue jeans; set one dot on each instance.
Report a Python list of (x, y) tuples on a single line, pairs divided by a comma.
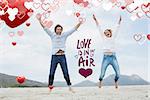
[(110, 60), (61, 59)]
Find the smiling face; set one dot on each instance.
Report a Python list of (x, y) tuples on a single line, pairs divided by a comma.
[(108, 33), (58, 29)]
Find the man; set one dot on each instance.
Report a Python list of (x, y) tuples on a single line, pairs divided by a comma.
[(58, 38), (108, 38)]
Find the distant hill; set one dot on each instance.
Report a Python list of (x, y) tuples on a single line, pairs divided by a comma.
[(108, 81), (85, 83), (126, 80), (60, 84), (10, 81)]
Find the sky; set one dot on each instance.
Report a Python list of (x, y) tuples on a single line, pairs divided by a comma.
[(32, 55)]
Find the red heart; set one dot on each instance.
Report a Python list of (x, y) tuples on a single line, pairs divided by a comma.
[(77, 14), (27, 24), (148, 36), (22, 15), (3, 5), (20, 79), (123, 7), (86, 3), (14, 43), (78, 1), (85, 72), (145, 7)]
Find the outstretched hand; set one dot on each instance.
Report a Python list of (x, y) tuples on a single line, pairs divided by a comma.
[(38, 16), (120, 19), (94, 17), (96, 21)]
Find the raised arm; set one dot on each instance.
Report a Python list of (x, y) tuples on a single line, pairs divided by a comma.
[(78, 25), (39, 16), (98, 25), (117, 27), (96, 21), (73, 29)]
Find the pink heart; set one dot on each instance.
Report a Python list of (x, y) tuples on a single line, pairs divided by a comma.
[(86, 3), (85, 72), (11, 34), (20, 33), (128, 2)]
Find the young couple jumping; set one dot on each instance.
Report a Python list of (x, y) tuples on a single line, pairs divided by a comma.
[(59, 38)]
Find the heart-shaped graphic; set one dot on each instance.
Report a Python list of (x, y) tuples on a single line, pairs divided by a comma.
[(20, 33), (85, 4), (118, 4), (148, 36), (20, 15), (139, 14), (137, 37), (77, 14), (131, 9), (85, 72), (20, 79), (11, 34), (123, 7), (128, 2), (146, 9), (45, 6), (82, 2), (46, 14), (36, 5), (28, 24), (14, 43), (3, 4), (28, 5), (78, 1), (10, 18), (12, 13), (140, 38), (82, 20)]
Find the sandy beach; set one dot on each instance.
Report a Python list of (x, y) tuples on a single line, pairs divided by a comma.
[(82, 93)]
